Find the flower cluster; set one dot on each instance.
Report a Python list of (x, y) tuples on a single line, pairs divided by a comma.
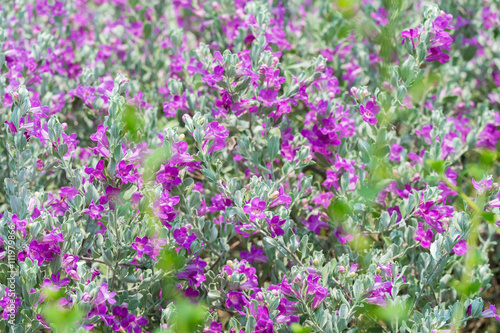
[(249, 166)]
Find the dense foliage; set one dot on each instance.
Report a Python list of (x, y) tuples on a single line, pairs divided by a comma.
[(249, 166)]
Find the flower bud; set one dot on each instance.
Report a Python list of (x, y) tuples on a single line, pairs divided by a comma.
[(354, 92), (276, 60), (395, 173), (216, 6), (364, 93), (274, 195), (341, 269)]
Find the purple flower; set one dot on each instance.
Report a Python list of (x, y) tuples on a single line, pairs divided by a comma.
[(377, 293), (11, 125), (120, 314), (332, 179), (100, 136), (236, 300), (245, 229), (134, 324), (425, 238), (181, 237), (20, 225), (490, 17), (6, 301), (436, 54), (55, 281), (111, 197), (157, 244), (255, 209), (241, 267), (483, 185), (168, 177), (315, 288), (369, 111), (256, 254), (135, 199), (217, 133), (286, 310), (342, 235), (395, 152), (69, 192), (164, 208), (264, 323), (215, 327), (194, 272), (281, 199), (460, 248), (381, 17), (410, 34), (275, 226), (434, 215), (314, 223), (94, 211), (491, 312), (323, 199), (268, 97), (97, 172), (489, 137), (426, 133), (103, 295), (440, 39), (47, 249), (69, 263), (123, 172), (219, 203), (142, 246)]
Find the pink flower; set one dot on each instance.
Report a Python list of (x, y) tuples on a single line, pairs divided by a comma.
[(94, 210), (425, 238), (123, 172), (255, 209), (369, 112), (460, 248), (483, 185)]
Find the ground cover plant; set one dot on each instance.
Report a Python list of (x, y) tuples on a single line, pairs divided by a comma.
[(249, 166)]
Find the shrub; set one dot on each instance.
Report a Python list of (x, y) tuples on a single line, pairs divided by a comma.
[(248, 166)]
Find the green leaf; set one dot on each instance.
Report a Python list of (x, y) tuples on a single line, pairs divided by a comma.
[(469, 52), (147, 30), (62, 149), (338, 209), (273, 146), (62, 319), (489, 217), (297, 328), (436, 165)]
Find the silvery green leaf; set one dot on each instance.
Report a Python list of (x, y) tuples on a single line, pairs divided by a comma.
[(357, 290), (251, 323), (273, 146), (194, 200)]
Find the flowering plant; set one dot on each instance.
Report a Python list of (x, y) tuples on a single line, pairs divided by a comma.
[(249, 166)]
